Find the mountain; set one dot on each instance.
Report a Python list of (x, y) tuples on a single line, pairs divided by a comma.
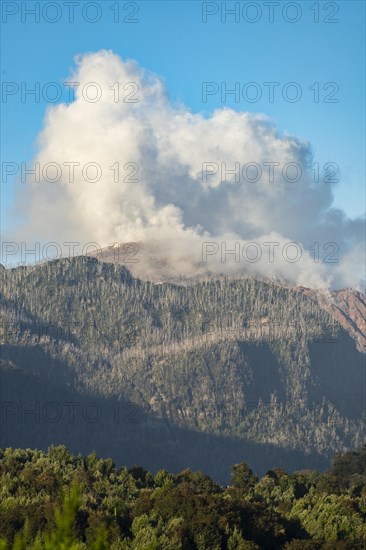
[(203, 374), (148, 261)]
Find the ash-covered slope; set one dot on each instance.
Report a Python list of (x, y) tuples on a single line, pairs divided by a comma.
[(201, 375)]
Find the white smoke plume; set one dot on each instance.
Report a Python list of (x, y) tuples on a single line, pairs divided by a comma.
[(171, 205)]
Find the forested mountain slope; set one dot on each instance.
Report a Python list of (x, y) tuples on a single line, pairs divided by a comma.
[(175, 376)]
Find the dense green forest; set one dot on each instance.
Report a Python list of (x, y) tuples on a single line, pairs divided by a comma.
[(57, 501)]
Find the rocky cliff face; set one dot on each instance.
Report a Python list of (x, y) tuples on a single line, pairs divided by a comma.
[(349, 308)]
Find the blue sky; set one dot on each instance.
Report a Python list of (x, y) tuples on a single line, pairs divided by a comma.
[(171, 40)]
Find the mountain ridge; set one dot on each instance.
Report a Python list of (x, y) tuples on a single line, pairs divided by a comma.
[(347, 305), (239, 365)]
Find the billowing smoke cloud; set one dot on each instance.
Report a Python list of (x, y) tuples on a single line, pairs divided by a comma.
[(172, 191)]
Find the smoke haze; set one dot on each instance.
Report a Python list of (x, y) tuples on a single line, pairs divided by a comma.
[(164, 197)]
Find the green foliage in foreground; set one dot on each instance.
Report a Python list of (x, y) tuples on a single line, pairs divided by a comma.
[(57, 501)]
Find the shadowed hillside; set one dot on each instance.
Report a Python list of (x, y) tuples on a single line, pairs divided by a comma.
[(211, 370)]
